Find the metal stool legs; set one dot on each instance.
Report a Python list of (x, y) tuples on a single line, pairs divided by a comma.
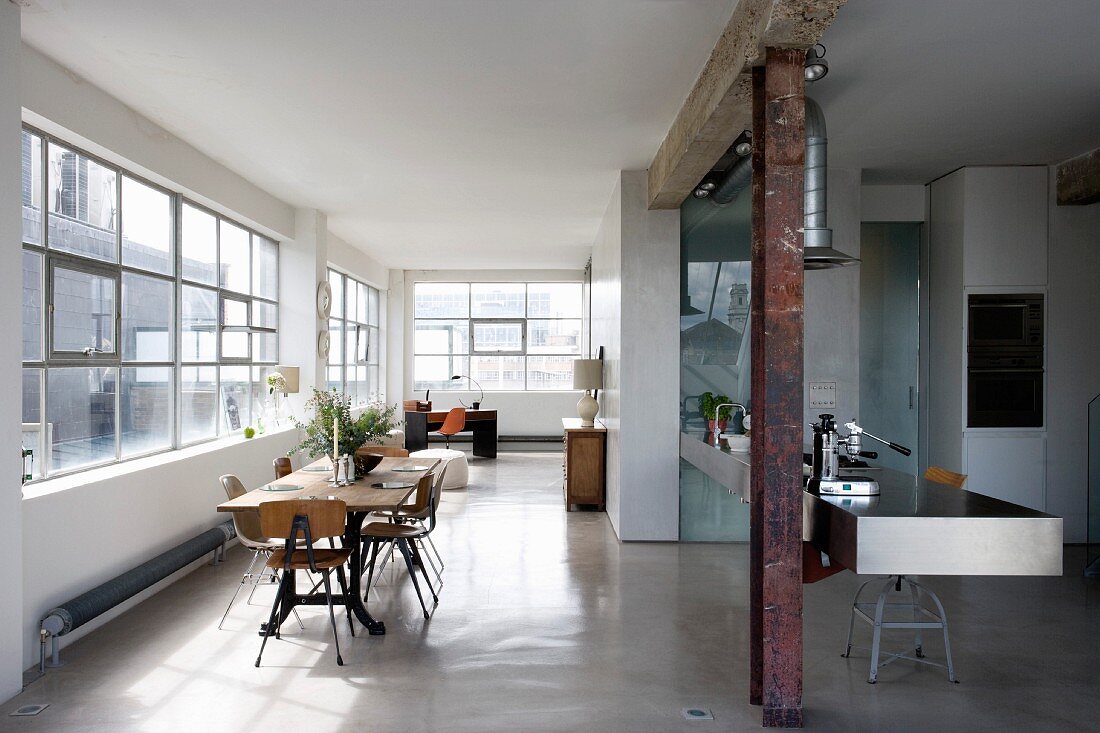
[(878, 622)]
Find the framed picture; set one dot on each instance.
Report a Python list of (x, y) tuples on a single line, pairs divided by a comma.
[(231, 408)]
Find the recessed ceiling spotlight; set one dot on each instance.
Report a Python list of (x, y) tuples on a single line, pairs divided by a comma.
[(743, 144), (816, 65), (700, 193), (708, 186)]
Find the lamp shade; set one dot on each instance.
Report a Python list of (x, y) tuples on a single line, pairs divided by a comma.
[(290, 374), (588, 374)]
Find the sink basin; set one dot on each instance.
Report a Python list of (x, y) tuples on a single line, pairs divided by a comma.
[(736, 443)]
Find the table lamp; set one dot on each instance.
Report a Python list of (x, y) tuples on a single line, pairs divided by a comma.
[(477, 404), (588, 375)]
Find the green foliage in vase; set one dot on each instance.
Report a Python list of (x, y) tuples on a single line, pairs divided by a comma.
[(376, 420)]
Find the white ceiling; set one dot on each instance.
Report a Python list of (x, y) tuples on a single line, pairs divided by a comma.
[(918, 89), (437, 134)]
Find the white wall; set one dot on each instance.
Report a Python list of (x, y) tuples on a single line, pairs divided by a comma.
[(11, 510), (60, 102), (518, 413), (1073, 356), (635, 317), (79, 532), (832, 308), (892, 203)]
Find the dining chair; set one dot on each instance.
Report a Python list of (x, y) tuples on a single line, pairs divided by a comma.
[(282, 467), (404, 537), (390, 451), (417, 513), (247, 527), (454, 423), (874, 612), (312, 519)]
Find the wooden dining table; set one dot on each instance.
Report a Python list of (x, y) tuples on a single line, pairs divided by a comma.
[(362, 498)]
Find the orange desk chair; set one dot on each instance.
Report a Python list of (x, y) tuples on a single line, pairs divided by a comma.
[(453, 424)]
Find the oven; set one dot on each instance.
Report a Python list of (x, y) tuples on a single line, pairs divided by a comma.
[(1005, 391)]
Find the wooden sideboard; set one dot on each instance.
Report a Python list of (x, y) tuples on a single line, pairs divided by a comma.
[(584, 462)]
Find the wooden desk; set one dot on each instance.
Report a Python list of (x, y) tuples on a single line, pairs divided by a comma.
[(361, 500), (482, 423)]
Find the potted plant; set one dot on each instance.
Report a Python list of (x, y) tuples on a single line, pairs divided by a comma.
[(708, 403), (330, 408), (372, 425)]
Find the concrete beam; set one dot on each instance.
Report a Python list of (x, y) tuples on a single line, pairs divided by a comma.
[(1078, 180), (719, 106)]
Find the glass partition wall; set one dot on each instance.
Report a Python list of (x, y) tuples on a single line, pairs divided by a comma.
[(715, 247)]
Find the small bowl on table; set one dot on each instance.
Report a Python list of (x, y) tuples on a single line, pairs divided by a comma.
[(366, 462)]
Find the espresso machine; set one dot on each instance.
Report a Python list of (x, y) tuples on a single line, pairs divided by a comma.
[(825, 475)]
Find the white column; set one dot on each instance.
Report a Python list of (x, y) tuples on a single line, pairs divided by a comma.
[(395, 353), (11, 288), (302, 267)]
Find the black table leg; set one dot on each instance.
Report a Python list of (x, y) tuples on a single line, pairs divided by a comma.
[(485, 437)]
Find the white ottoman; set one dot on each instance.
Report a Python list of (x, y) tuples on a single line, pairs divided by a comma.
[(458, 470), (394, 438)]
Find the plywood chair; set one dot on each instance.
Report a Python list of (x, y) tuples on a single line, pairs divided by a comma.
[(282, 467), (454, 423), (308, 520), (943, 476), (390, 451)]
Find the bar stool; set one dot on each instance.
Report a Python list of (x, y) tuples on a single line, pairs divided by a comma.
[(874, 612)]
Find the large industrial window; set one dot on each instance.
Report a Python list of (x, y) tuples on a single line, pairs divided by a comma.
[(149, 323), (506, 336), (353, 355)]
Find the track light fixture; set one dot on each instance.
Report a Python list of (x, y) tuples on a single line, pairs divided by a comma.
[(816, 65)]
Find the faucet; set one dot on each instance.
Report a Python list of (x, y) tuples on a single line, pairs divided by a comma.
[(717, 419)]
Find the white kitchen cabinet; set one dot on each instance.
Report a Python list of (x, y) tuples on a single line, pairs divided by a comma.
[(1007, 466), (1005, 226)]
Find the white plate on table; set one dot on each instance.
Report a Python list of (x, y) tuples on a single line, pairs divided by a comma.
[(282, 487), (318, 469), (410, 469)]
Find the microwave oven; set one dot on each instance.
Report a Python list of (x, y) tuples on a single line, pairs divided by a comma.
[(1005, 321)]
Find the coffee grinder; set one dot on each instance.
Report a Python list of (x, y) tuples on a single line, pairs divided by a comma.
[(825, 477)]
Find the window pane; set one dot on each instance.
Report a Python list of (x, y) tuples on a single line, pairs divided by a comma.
[(236, 398), (263, 402), (442, 337), (441, 300), (200, 324), (553, 300), (373, 306), (146, 227), (265, 347), (554, 337), (362, 386), (235, 260), (200, 246), (32, 188), (82, 205), (336, 342), (489, 336), (351, 343), (81, 407), (498, 372), (434, 372), (147, 316), (362, 302), (234, 312), (497, 300), (351, 296), (373, 381), (198, 403), (335, 379), (146, 409), (84, 311), (265, 268), (234, 343), (336, 282), (373, 348), (32, 306), (265, 315), (32, 420), (550, 372)]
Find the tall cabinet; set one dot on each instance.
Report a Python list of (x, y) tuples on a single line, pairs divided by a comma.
[(987, 234)]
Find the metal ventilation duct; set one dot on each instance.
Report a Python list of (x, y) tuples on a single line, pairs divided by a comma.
[(820, 254)]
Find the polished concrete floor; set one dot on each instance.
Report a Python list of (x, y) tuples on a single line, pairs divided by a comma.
[(547, 623)]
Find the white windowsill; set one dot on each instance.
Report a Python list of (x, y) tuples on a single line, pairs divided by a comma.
[(114, 470)]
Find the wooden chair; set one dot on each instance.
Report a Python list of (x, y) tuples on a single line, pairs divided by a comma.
[(313, 519), (454, 423), (405, 537), (418, 513), (247, 527), (282, 467), (943, 476)]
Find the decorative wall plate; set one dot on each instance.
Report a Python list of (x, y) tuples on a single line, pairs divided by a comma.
[(322, 344), (324, 299)]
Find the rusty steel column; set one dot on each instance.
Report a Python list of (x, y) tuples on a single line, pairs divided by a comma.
[(777, 259), (756, 371)]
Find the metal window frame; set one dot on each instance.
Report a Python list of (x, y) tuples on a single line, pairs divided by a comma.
[(116, 271), (347, 322), (471, 320)]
